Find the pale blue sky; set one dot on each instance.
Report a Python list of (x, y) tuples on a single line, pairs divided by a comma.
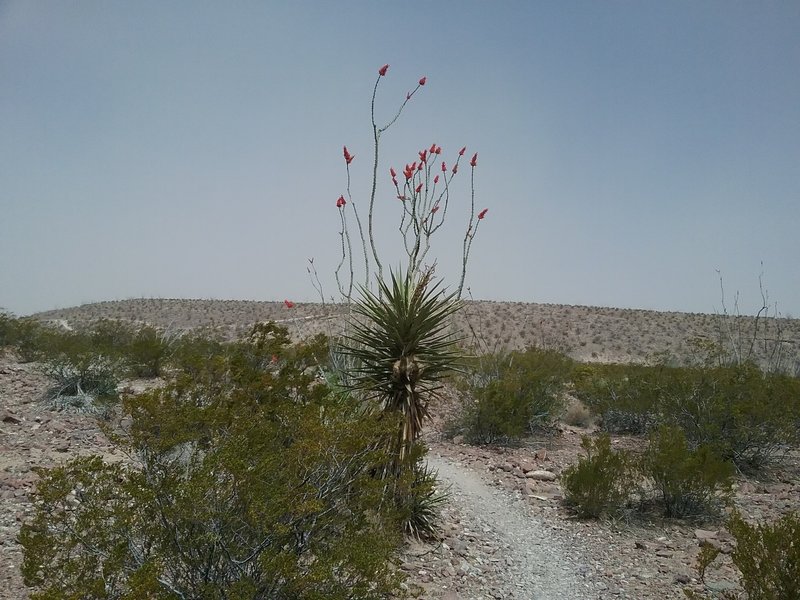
[(628, 150)]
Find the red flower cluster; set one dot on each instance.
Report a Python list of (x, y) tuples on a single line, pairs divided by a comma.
[(423, 80), (482, 214), (382, 70), (461, 152), (348, 158), (288, 303), (423, 155), (340, 202)]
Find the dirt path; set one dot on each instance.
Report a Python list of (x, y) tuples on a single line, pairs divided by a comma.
[(532, 561)]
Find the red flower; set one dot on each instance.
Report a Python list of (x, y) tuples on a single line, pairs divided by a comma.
[(419, 167), (483, 213), (423, 155), (408, 172), (434, 209), (288, 303), (348, 158), (382, 70), (432, 149), (436, 179), (423, 80), (438, 150), (474, 160), (340, 202), (444, 167), (418, 189), (455, 168), (461, 152), (392, 172)]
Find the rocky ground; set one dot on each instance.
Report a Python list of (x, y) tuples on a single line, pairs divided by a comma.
[(506, 532)]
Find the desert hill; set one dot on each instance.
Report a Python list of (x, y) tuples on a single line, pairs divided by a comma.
[(592, 334)]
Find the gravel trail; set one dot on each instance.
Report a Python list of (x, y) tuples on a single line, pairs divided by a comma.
[(537, 562)]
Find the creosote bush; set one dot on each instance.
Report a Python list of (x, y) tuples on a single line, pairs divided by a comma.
[(252, 479), (511, 394), (683, 482), (746, 416), (767, 556), (602, 482), (686, 482)]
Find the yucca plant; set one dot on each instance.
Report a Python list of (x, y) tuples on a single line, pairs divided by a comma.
[(402, 348)]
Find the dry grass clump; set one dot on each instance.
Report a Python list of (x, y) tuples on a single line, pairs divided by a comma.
[(577, 414)]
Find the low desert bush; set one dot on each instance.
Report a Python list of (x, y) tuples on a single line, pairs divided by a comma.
[(687, 482), (86, 384), (84, 380), (27, 336), (252, 479), (625, 397), (143, 349), (744, 415), (602, 482), (767, 556), (509, 395)]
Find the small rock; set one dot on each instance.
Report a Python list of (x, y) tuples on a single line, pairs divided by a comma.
[(541, 475), (7, 417), (704, 535)]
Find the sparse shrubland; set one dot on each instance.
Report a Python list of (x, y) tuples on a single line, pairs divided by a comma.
[(252, 479), (745, 415), (680, 481)]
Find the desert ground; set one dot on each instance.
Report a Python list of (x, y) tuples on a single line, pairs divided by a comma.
[(506, 531)]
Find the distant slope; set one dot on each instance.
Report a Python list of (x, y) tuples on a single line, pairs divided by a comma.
[(586, 333)]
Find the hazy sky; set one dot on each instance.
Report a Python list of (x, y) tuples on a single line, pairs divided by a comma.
[(627, 150)]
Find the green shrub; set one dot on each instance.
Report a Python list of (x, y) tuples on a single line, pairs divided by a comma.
[(85, 384), (745, 415), (27, 336), (624, 396), (602, 482), (7, 329), (766, 555), (143, 349), (686, 482), (84, 380), (253, 480), (509, 395)]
